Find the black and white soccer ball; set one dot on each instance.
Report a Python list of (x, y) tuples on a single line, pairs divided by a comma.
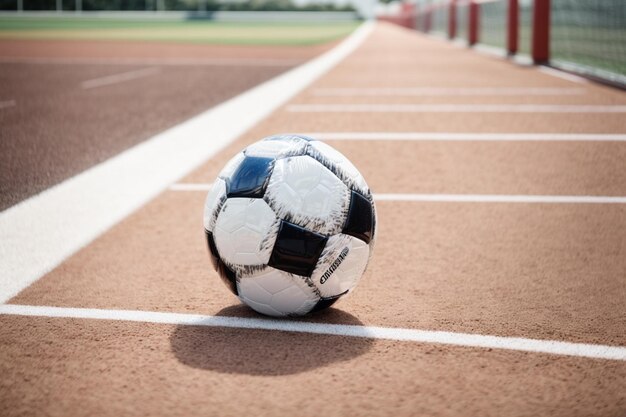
[(290, 224)]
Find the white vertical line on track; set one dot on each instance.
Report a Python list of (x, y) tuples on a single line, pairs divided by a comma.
[(370, 332), (7, 103), (120, 78), (454, 108), (444, 91), (41, 232), (460, 198), (470, 137)]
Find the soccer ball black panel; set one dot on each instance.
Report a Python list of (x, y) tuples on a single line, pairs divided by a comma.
[(226, 274), (297, 249), (360, 222), (250, 178)]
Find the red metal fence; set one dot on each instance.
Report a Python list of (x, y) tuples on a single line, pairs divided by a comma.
[(419, 16)]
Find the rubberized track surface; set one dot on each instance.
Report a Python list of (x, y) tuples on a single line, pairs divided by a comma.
[(76, 103), (546, 271)]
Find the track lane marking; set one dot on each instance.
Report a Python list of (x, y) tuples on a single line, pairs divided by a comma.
[(445, 91), (7, 103), (454, 108), (501, 198), (267, 62), (496, 137), (190, 186), (459, 198), (41, 232), (553, 347), (119, 78)]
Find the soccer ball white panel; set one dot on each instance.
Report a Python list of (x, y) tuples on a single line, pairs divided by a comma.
[(304, 192), (277, 148), (213, 203), (231, 166), (342, 166), (341, 264), (277, 293), (245, 232)]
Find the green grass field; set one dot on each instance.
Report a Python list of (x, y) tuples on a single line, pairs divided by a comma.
[(194, 31)]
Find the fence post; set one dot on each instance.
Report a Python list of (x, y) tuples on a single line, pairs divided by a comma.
[(512, 27), (541, 31), (417, 17), (407, 13), (474, 16), (452, 19)]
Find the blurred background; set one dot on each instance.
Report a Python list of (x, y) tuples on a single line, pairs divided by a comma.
[(82, 80), (583, 36)]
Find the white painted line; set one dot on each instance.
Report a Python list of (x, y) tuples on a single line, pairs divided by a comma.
[(120, 78), (443, 91), (369, 332), (454, 108), (500, 198), (7, 103), (190, 187), (563, 75), (496, 137), (488, 50), (39, 233), (238, 62), (459, 198)]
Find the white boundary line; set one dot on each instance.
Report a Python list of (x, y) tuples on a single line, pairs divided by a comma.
[(190, 186), (119, 78), (39, 233), (459, 198), (7, 103), (436, 136), (501, 198), (454, 108), (369, 332), (445, 91), (240, 62)]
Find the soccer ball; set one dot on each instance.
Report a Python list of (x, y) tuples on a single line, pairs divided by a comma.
[(290, 224)]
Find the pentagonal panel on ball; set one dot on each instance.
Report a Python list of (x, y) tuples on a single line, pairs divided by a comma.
[(245, 232), (296, 249), (250, 178), (340, 265), (361, 218), (304, 192), (277, 293)]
